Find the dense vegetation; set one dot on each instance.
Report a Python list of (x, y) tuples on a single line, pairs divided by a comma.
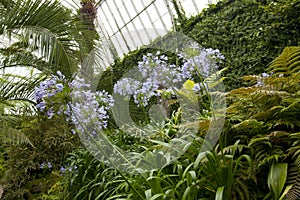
[(257, 151)]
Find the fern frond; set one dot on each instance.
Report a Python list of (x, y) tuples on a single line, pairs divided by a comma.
[(241, 189), (231, 148), (294, 151), (13, 136), (251, 78), (266, 150), (215, 79), (294, 192), (287, 63)]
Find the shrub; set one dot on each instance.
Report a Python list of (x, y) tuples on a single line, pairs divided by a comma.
[(26, 174)]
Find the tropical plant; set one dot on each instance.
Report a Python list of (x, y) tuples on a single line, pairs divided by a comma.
[(265, 117), (15, 102), (225, 172), (276, 179), (45, 35), (88, 178)]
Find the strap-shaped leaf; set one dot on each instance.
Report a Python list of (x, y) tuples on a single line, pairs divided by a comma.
[(219, 194), (277, 178)]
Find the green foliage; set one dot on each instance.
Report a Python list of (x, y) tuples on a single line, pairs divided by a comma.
[(47, 36), (248, 35), (13, 136), (262, 123), (181, 180), (265, 116), (262, 130), (52, 140), (89, 178), (287, 63), (231, 171), (47, 32), (56, 192), (294, 172), (45, 27)]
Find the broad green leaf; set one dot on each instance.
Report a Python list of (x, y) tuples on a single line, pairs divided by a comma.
[(219, 193), (276, 179), (148, 194)]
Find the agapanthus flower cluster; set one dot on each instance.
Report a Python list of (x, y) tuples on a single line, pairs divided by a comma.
[(87, 111), (90, 109), (68, 168), (200, 62), (157, 75), (46, 93), (46, 165)]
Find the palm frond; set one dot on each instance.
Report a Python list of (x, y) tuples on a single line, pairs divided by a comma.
[(47, 27), (16, 100), (16, 55), (18, 88)]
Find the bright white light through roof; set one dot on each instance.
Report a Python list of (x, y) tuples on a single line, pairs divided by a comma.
[(121, 21)]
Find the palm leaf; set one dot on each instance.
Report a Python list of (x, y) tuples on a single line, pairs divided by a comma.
[(16, 100), (18, 55), (14, 88), (47, 27)]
